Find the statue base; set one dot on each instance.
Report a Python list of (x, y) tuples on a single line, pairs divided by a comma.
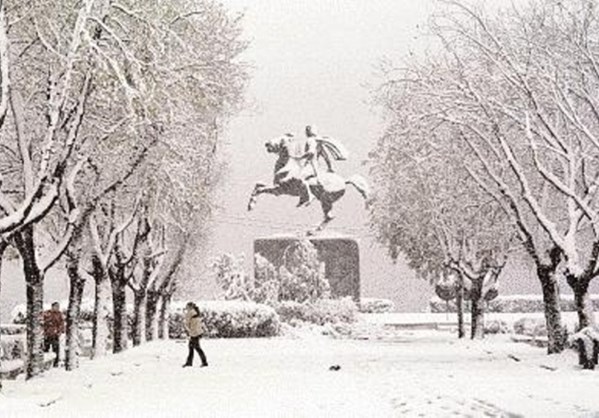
[(341, 256)]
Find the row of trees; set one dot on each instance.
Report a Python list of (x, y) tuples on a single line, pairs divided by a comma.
[(491, 146), (110, 116)]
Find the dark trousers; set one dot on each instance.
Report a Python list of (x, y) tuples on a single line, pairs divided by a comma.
[(52, 342), (194, 344)]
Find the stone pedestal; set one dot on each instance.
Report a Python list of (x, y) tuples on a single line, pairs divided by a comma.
[(341, 256)]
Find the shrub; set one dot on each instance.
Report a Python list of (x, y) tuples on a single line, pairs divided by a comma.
[(266, 281), (373, 305), (228, 319), (320, 312), (12, 329), (496, 326), (533, 327), (231, 277), (302, 275), (12, 347)]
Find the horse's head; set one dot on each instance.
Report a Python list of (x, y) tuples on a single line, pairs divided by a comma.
[(278, 144)]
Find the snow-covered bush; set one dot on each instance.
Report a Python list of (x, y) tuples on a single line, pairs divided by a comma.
[(228, 319), (320, 312), (375, 305), (586, 342), (496, 326), (12, 329), (232, 278), (533, 327), (302, 275), (12, 347), (266, 281)]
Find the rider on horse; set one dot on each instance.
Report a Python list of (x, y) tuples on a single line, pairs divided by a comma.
[(314, 148), (296, 172)]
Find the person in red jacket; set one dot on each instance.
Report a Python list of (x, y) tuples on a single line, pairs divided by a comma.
[(53, 327)]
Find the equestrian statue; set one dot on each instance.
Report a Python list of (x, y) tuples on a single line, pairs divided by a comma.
[(298, 172)]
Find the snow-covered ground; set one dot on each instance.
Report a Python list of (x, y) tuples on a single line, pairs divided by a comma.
[(401, 373)]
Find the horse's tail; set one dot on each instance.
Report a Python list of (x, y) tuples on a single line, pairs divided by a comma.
[(361, 185)]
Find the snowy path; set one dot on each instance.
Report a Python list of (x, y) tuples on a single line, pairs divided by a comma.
[(416, 374)]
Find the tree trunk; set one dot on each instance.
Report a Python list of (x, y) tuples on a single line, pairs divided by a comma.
[(139, 317), (34, 280), (555, 331), (583, 303), (77, 283), (101, 329), (163, 319), (0, 321), (459, 302), (477, 309), (3, 246), (152, 316), (120, 326), (477, 330)]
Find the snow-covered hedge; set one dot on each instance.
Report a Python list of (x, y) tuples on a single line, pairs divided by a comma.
[(376, 305), (12, 347), (12, 329), (228, 319), (496, 326), (86, 314), (320, 312), (532, 327), (512, 304)]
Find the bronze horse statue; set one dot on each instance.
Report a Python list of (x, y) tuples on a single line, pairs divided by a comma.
[(292, 177)]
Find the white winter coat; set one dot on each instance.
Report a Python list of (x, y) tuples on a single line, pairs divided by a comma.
[(193, 324)]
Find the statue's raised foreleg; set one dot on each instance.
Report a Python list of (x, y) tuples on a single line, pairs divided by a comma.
[(254, 195), (261, 188)]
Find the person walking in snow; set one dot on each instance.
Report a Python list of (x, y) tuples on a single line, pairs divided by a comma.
[(195, 328), (53, 324)]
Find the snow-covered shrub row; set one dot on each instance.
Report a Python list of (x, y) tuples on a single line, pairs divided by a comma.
[(376, 305), (12, 329), (512, 304), (86, 314), (320, 312), (228, 319)]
